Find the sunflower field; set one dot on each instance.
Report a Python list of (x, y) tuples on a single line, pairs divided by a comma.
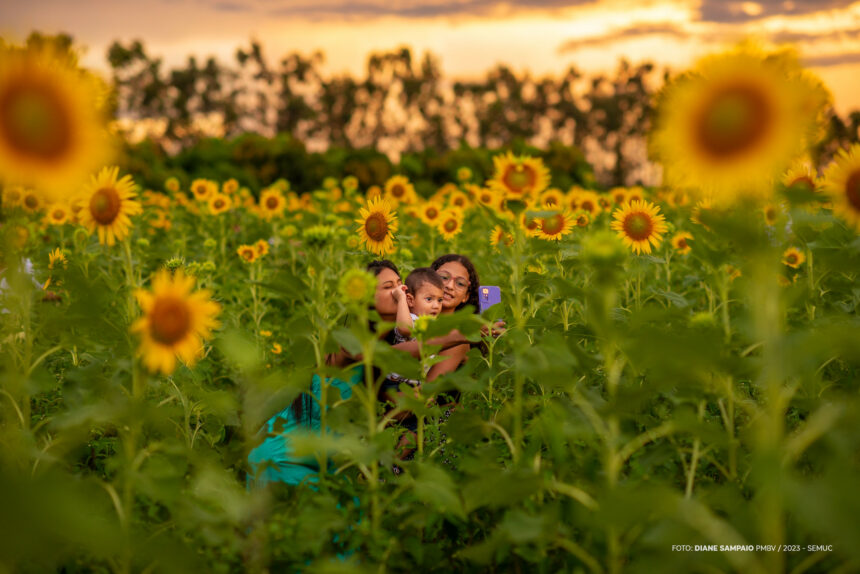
[(675, 390)]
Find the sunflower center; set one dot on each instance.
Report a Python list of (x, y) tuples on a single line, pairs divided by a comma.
[(219, 203), (852, 190), (486, 198), (397, 190), (450, 225), (432, 213), (376, 227), (791, 258), (638, 226), (31, 201), (59, 214), (553, 225), (34, 121), (518, 178), (170, 320), (104, 205), (587, 205), (734, 122), (582, 221), (272, 202), (682, 243)]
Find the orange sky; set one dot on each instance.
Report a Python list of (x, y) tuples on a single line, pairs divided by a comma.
[(469, 36)]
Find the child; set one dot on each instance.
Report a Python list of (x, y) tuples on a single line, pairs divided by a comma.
[(421, 295)]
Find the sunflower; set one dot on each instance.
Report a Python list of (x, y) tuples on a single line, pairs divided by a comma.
[(430, 212), (171, 184), (464, 174), (771, 213), (529, 222), (276, 348), (57, 256), (519, 177), (604, 201), (680, 241), (487, 197), (640, 225), (582, 219), (635, 193), (450, 223), (261, 247), (842, 183), (203, 189), (399, 190), (107, 204), (793, 257), (13, 195), (374, 192), (230, 186), (499, 236), (702, 206), (552, 198), (589, 202), (52, 120), (219, 203), (733, 123), (31, 201), (349, 183), (732, 272), (272, 203), (57, 214), (377, 225), (356, 287), (247, 252), (618, 195), (459, 200), (160, 221), (801, 176), (555, 226), (175, 321)]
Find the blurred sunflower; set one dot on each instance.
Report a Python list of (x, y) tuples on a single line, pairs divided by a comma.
[(57, 256), (261, 247), (459, 200), (203, 189), (519, 177), (498, 236), (175, 321), (635, 193), (277, 349), (582, 219), (374, 192), (793, 257), (450, 223), (107, 204), (464, 174), (552, 198), (640, 225), (680, 242), (230, 186), (430, 212), (702, 206), (529, 222), (31, 201), (604, 201), (589, 202), (57, 214), (377, 224), (356, 287), (272, 203), (618, 195), (771, 213), (219, 203), (52, 121), (736, 121), (555, 226), (842, 183), (399, 190), (247, 252), (486, 197), (350, 183), (801, 176), (13, 195), (171, 184)]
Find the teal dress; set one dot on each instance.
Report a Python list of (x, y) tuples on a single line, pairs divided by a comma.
[(273, 460)]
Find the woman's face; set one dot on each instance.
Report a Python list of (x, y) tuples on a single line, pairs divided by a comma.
[(456, 279), (383, 300)]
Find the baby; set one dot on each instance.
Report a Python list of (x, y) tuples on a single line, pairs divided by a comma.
[(421, 295)]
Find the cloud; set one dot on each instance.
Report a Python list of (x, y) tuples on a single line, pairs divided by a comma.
[(736, 11), (786, 36), (231, 7), (412, 9), (652, 29), (832, 60)]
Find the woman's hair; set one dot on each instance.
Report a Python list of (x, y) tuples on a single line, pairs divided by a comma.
[(474, 282), (377, 266)]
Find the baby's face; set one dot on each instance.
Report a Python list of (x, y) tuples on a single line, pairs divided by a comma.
[(427, 300)]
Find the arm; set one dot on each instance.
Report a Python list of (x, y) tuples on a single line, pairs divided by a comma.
[(342, 358), (404, 317), (453, 357)]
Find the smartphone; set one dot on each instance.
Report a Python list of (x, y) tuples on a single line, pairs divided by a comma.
[(488, 295)]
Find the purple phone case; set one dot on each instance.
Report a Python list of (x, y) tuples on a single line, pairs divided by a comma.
[(488, 295)]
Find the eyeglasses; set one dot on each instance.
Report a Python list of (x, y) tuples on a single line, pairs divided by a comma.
[(459, 281)]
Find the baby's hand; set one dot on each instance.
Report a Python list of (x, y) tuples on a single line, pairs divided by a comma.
[(399, 292)]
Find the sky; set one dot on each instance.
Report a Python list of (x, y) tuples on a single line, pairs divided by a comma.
[(469, 37)]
